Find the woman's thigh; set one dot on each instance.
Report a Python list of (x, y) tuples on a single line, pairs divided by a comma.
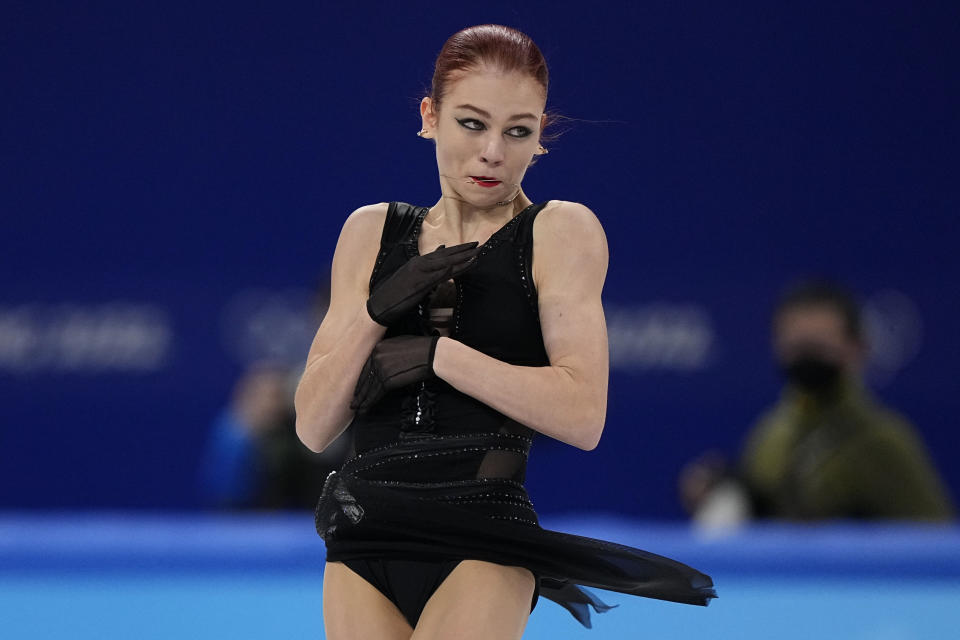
[(353, 609), (478, 600)]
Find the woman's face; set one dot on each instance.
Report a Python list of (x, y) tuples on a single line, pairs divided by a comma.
[(487, 130)]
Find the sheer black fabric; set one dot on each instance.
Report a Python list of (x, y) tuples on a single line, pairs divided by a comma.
[(395, 362), (414, 280), (439, 475)]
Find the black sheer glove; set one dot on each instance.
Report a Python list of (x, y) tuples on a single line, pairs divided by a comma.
[(394, 362), (410, 283)]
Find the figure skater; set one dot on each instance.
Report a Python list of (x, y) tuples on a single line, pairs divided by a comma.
[(454, 333)]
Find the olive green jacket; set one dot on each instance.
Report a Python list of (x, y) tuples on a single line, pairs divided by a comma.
[(850, 457)]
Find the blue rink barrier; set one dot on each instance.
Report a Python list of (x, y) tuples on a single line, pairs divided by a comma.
[(146, 576)]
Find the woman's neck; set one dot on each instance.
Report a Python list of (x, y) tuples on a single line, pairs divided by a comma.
[(464, 219)]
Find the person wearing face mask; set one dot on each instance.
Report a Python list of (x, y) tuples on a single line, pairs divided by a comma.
[(828, 449), (455, 332)]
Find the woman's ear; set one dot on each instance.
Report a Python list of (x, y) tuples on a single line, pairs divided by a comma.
[(428, 118)]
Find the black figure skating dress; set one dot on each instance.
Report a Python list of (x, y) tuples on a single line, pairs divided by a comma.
[(437, 476)]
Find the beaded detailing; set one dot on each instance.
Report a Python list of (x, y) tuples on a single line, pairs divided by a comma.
[(423, 455), (490, 498), (381, 256), (446, 484), (457, 309), (521, 441), (413, 249), (498, 498), (494, 240), (413, 244), (529, 521), (417, 412), (526, 279)]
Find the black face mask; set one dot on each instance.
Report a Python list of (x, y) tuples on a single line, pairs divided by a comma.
[(812, 374)]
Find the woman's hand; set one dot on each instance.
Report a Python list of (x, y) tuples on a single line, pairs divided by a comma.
[(410, 283), (394, 362)]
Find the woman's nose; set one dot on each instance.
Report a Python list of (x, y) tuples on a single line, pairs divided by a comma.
[(493, 151)]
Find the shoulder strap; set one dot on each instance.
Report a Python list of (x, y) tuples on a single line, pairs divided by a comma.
[(524, 249), (399, 223), (525, 227), (397, 227)]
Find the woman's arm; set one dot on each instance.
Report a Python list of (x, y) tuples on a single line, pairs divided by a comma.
[(566, 400), (346, 336)]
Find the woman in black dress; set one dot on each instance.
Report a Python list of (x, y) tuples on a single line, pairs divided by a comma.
[(454, 333)]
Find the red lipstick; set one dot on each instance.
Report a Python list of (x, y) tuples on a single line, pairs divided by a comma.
[(485, 181)]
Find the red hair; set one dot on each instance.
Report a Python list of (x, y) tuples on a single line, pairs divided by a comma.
[(501, 47)]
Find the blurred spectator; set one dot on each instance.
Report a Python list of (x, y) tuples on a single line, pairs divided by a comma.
[(253, 458), (827, 449)]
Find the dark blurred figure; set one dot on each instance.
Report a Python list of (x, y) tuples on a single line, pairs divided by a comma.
[(827, 449), (253, 458)]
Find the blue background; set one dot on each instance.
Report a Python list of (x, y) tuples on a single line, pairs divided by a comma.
[(181, 163)]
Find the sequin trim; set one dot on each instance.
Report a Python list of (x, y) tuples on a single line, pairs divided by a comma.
[(496, 435), (529, 521), (527, 281), (446, 484), (485, 500), (413, 249), (417, 412), (457, 309), (381, 256), (413, 244), (420, 455)]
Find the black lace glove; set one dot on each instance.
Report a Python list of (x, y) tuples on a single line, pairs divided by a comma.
[(394, 362), (410, 283)]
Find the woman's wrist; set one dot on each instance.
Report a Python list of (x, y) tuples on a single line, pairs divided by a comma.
[(367, 320), (440, 355)]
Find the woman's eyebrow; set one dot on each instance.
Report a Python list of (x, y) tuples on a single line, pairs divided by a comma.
[(519, 116)]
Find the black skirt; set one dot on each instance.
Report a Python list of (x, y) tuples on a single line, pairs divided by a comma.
[(458, 497)]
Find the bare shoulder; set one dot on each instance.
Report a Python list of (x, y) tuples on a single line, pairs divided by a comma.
[(568, 238), (563, 223), (567, 210), (570, 254), (357, 248), (365, 222)]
